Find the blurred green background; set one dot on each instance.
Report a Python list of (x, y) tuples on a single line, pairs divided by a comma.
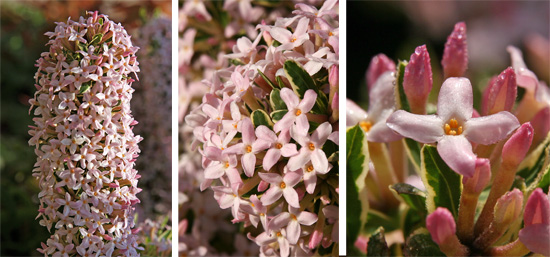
[(23, 24)]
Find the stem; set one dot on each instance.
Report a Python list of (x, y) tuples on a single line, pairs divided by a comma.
[(249, 185), (503, 180), (250, 99), (466, 216), (452, 247), (384, 171), (516, 248), (399, 160), (489, 236)]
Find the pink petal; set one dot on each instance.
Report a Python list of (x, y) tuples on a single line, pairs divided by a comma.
[(516, 147), (301, 28), (249, 162), (456, 151), (291, 196), (319, 160), (422, 128), (272, 178), (380, 132), (379, 64), (382, 96), (417, 81), (285, 122), (292, 178), (481, 178), (291, 100), (541, 124), (536, 238), (234, 177), (310, 181), (293, 231), (320, 135), (214, 171), (441, 225), (307, 218), (307, 103), (289, 150), (279, 221), (525, 77), (488, 130), (248, 133), (297, 161), (271, 157), (280, 34), (226, 201), (271, 195), (501, 93), (455, 100), (537, 209), (263, 132), (455, 55), (260, 145), (284, 247)]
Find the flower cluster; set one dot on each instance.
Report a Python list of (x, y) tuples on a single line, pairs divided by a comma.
[(267, 131), (155, 89), (84, 140), (459, 152)]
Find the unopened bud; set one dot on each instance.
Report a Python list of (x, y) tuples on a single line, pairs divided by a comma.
[(378, 65), (480, 179), (455, 55), (508, 208), (501, 93), (417, 81), (516, 147), (441, 225)]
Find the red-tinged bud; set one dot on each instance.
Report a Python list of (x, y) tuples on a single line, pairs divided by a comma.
[(333, 76), (441, 225), (516, 147), (334, 105), (501, 93), (525, 77), (536, 232), (508, 208), (455, 55), (482, 176), (361, 243), (417, 81), (378, 65), (541, 125)]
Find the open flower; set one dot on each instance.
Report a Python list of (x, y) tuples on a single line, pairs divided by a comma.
[(296, 109), (453, 127)]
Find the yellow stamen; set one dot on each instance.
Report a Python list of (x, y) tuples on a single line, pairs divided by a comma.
[(298, 112), (293, 39), (459, 130), (452, 128), (309, 168), (279, 234), (365, 125), (248, 148), (282, 185), (278, 145), (226, 165), (311, 146)]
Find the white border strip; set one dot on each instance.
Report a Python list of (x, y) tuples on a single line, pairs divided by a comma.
[(175, 128), (342, 126)]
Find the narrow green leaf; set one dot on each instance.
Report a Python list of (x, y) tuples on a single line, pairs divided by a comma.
[(377, 244), (299, 79), (100, 21), (531, 168), (278, 115), (357, 166), (269, 82), (413, 151), (275, 100), (260, 117), (420, 243), (390, 220), (96, 39), (401, 97), (280, 82), (544, 183), (85, 87), (442, 183), (414, 197)]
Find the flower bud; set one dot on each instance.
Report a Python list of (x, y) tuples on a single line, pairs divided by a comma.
[(525, 78), (541, 125), (501, 93), (536, 233), (480, 179), (417, 81), (508, 208), (455, 55), (441, 225), (516, 147), (378, 65)]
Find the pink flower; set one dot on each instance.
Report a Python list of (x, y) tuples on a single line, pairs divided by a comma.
[(248, 148), (281, 186), (311, 147), (453, 127), (288, 39), (280, 145), (293, 220), (535, 234), (296, 109)]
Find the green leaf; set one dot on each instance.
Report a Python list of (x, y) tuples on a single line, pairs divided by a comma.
[(412, 221), (357, 166), (269, 82), (85, 87), (275, 100), (390, 220), (280, 82), (420, 243), (260, 117), (278, 115), (236, 62), (532, 167), (442, 183), (414, 197), (413, 151), (301, 81), (377, 244), (100, 21), (96, 39), (544, 183)]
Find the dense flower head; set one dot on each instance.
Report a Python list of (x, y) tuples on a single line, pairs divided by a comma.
[(265, 140), (83, 138)]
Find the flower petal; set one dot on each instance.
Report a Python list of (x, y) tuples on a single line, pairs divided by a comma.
[(271, 157), (308, 218), (381, 95), (320, 135), (380, 132), (297, 161), (289, 150), (271, 178), (488, 130), (279, 221), (456, 151), (248, 162), (319, 161), (455, 99), (310, 180), (536, 238), (309, 100), (291, 100), (263, 132), (271, 195), (525, 77), (422, 128), (293, 231), (291, 196)]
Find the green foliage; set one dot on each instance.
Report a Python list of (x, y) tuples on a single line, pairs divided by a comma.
[(533, 166), (275, 100), (377, 244), (442, 183), (260, 117), (301, 81), (420, 243)]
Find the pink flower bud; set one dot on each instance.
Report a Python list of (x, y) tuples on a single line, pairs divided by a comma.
[(441, 225), (455, 55), (378, 65), (508, 208), (418, 81), (525, 77), (333, 76), (480, 179), (501, 93), (536, 233), (516, 147), (361, 243), (541, 124)]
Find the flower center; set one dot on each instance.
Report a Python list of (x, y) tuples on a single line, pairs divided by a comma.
[(365, 125), (309, 168), (248, 148), (282, 185), (293, 216), (452, 128), (278, 145), (226, 165), (293, 39), (298, 112), (279, 234), (311, 146)]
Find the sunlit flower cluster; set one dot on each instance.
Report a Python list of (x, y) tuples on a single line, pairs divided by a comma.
[(84, 140), (266, 139)]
